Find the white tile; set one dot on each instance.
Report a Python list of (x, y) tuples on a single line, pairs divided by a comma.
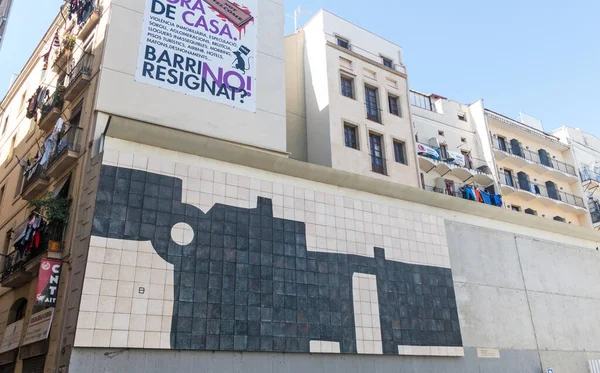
[(118, 338), (142, 275), (155, 307), (123, 305), (96, 241), (112, 256), (91, 286), (94, 270), (108, 287), (104, 320), (136, 339), (106, 304), (139, 306), (153, 323), (89, 303), (128, 258), (165, 340), (121, 321), (101, 338), (96, 254), (86, 320), (110, 271), (137, 322), (152, 340), (84, 337)]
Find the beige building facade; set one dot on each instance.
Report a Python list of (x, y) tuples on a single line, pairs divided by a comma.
[(348, 97), (209, 236)]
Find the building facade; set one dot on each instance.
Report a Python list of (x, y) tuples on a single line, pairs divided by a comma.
[(4, 13), (201, 237), (587, 161), (348, 97)]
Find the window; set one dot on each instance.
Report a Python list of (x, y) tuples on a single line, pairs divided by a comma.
[(530, 212), (502, 143), (394, 105), (463, 139), (444, 151), (420, 100), (76, 115), (11, 150), (441, 133), (4, 126), (372, 104), (400, 152), (19, 183), (387, 62), (559, 218), (462, 117), (508, 178), (344, 43), (1, 196), (17, 311), (377, 159), (468, 161), (515, 208), (23, 98), (347, 86), (350, 137)]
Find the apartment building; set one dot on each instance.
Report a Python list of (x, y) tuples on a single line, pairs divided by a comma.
[(450, 149), (200, 237), (586, 149), (45, 123), (4, 13), (347, 95), (536, 171)]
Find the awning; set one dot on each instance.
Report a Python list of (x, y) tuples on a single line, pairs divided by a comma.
[(428, 151)]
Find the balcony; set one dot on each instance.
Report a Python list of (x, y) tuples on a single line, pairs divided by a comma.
[(548, 197), (520, 157), (88, 21), (374, 113), (473, 168), (66, 153), (51, 110), (79, 77), (453, 190), (35, 181), (595, 219), (589, 179)]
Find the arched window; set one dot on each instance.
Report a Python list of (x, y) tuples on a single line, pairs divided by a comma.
[(17, 310)]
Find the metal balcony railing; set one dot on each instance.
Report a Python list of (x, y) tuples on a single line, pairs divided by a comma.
[(83, 67), (595, 217), (17, 260), (33, 174), (542, 190), (69, 140), (56, 100), (534, 157), (588, 175)]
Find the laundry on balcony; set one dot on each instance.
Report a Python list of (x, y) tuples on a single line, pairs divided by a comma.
[(81, 9), (479, 195), (31, 237)]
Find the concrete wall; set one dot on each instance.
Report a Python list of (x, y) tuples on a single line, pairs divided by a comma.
[(119, 94), (516, 292)]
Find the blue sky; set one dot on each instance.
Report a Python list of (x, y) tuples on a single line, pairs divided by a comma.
[(539, 57)]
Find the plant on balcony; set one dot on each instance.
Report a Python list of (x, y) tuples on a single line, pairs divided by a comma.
[(68, 42), (55, 211), (57, 100)]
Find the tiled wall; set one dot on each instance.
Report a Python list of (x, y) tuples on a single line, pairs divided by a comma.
[(186, 255)]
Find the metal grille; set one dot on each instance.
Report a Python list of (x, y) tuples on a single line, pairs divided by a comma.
[(595, 366), (34, 364), (8, 368)]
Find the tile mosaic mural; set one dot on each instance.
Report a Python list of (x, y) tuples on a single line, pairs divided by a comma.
[(217, 261)]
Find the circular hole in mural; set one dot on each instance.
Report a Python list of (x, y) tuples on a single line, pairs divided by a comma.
[(182, 234)]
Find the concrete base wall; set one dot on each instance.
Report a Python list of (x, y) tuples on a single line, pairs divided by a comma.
[(93, 360)]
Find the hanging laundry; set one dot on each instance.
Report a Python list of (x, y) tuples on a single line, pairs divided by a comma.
[(487, 197), (479, 197)]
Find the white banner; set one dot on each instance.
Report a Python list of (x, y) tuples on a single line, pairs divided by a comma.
[(39, 326), (459, 158), (423, 149), (12, 336), (202, 48)]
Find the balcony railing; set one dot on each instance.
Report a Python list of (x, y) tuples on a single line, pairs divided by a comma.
[(82, 67), (32, 175), (67, 141), (588, 175), (534, 157), (374, 113), (595, 217), (378, 164), (542, 190)]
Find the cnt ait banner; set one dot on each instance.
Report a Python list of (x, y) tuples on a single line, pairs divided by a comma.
[(202, 48), (47, 286)]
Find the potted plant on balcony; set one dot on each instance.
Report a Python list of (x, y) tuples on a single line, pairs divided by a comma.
[(55, 211), (57, 101), (68, 43)]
